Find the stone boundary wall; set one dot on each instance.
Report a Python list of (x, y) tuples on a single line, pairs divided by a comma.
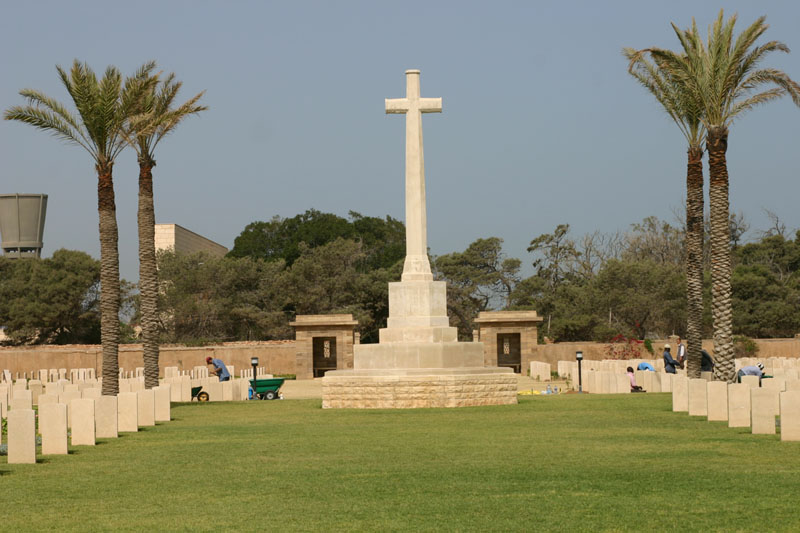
[(278, 357), (565, 351)]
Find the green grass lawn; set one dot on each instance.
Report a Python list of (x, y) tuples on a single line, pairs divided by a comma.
[(562, 463)]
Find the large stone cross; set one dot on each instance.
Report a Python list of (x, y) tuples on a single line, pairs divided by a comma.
[(416, 266)]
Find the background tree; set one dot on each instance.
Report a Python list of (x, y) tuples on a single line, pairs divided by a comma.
[(103, 107), (479, 278), (204, 298), (383, 239), (52, 300), (156, 117)]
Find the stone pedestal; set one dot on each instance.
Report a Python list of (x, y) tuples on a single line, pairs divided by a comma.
[(418, 362), (412, 388)]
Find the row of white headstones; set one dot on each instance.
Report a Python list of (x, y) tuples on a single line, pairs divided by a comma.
[(742, 405), (78, 412), (753, 403)]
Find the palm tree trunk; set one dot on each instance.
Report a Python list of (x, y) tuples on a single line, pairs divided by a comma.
[(148, 274), (109, 278), (694, 260), (717, 144)]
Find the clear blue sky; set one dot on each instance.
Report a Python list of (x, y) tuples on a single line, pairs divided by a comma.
[(541, 125)]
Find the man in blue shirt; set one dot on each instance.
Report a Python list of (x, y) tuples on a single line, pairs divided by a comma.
[(670, 364), (757, 370), (644, 365), (220, 370)]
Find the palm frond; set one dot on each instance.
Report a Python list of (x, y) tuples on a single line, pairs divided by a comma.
[(758, 99), (47, 121)]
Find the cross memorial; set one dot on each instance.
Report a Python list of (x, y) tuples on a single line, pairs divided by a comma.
[(416, 266)]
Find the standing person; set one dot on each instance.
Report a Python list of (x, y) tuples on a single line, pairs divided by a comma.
[(670, 364), (681, 351), (219, 370)]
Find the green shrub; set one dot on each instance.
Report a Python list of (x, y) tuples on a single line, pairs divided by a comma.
[(744, 346), (648, 345)]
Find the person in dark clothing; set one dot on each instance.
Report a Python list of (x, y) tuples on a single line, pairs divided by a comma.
[(670, 364), (706, 363)]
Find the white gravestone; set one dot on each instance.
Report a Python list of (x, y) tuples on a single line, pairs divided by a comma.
[(790, 415), (147, 408), (21, 437), (106, 412), (680, 393), (53, 427), (738, 405), (698, 401), (762, 411), (23, 399), (83, 429), (751, 381), (161, 397), (717, 394), (128, 411)]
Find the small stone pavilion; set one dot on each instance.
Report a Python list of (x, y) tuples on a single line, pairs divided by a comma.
[(324, 342), (509, 338)]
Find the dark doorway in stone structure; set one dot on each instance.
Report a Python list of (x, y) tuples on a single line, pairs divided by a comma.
[(509, 353), (324, 355)]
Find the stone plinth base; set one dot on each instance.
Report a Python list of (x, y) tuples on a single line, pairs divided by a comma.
[(416, 355), (414, 388)]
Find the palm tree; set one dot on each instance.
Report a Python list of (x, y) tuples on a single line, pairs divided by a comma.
[(725, 78), (155, 118), (681, 107), (103, 107)]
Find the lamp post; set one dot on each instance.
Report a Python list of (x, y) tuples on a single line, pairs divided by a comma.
[(579, 357), (254, 362)]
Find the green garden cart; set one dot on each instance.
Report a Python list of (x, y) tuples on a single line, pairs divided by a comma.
[(267, 389)]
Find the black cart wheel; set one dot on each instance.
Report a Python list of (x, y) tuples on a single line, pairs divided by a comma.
[(202, 397), (270, 395)]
